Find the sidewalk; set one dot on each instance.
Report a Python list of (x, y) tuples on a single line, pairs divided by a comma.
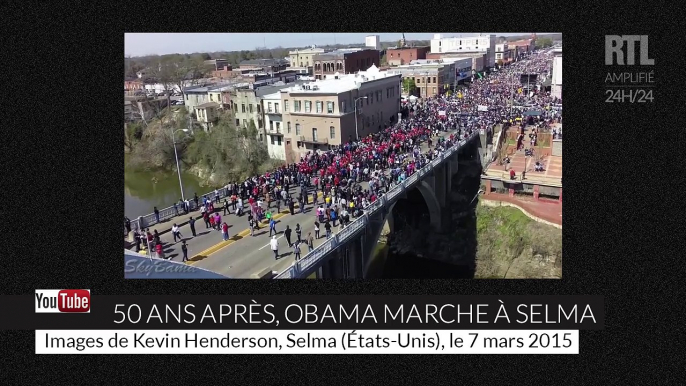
[(550, 211)]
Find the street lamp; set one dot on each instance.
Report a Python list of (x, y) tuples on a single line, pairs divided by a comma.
[(357, 135), (176, 156)]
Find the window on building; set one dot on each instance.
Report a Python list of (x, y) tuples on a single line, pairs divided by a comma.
[(278, 141), (369, 96), (261, 137), (319, 106), (378, 96), (329, 107), (271, 126), (260, 123), (269, 107), (245, 122), (297, 105), (308, 106), (343, 107), (211, 96), (434, 90), (278, 127), (276, 108), (250, 108), (288, 127), (297, 129), (242, 107), (332, 132), (285, 106), (418, 80), (273, 139), (388, 93), (314, 134), (238, 122)]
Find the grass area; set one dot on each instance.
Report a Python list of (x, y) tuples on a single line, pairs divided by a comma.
[(511, 245)]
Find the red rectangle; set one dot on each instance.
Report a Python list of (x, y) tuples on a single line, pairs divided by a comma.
[(76, 300)]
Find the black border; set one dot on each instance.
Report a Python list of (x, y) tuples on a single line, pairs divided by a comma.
[(65, 87)]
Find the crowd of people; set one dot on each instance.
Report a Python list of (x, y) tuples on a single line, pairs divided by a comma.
[(380, 159)]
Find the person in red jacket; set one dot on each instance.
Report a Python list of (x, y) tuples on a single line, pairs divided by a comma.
[(159, 250), (225, 231)]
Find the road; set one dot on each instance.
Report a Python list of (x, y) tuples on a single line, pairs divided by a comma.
[(245, 256)]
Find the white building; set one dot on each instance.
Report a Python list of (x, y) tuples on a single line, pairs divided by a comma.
[(556, 86), (373, 42), (304, 57), (481, 43), (502, 52), (271, 105)]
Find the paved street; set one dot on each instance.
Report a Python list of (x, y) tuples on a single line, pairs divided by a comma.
[(244, 256)]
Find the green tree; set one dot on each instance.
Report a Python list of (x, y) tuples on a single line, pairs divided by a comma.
[(228, 152), (206, 56), (409, 86), (544, 42), (383, 61)]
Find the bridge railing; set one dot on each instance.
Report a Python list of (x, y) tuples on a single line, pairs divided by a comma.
[(169, 212), (315, 256)]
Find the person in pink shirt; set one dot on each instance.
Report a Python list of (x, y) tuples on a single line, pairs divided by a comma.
[(217, 220)]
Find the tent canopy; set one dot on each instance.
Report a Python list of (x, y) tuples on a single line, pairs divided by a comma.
[(533, 113)]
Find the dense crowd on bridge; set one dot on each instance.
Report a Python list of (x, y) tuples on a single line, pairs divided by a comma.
[(380, 159)]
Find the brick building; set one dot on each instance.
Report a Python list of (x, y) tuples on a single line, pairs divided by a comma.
[(404, 55), (344, 62), (320, 114)]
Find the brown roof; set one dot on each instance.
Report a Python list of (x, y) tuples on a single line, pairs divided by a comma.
[(208, 104), (525, 42)]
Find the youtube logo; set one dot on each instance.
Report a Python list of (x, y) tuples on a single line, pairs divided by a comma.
[(65, 300)]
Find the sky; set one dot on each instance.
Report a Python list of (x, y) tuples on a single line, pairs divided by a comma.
[(141, 44)]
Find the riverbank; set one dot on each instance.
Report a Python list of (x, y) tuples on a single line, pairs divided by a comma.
[(513, 245)]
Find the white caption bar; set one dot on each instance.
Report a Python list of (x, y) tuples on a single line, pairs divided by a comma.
[(307, 342)]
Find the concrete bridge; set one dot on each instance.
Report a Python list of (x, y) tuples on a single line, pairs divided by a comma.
[(349, 253)]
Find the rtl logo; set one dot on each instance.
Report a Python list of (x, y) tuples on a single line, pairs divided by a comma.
[(615, 47), (65, 300)]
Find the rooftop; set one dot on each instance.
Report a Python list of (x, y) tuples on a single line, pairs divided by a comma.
[(272, 96), (407, 48), (524, 42), (340, 83), (264, 62), (309, 50), (342, 52)]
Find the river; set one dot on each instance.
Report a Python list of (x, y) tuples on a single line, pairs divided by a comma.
[(145, 190)]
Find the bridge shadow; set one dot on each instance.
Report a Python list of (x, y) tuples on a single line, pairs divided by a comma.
[(417, 252)]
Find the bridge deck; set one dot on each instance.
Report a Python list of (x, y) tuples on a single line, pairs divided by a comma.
[(244, 256)]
